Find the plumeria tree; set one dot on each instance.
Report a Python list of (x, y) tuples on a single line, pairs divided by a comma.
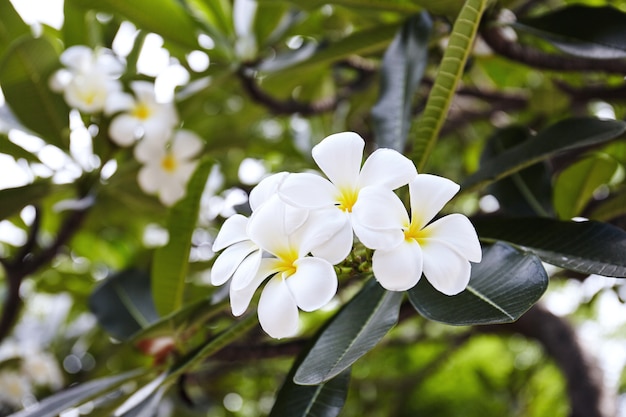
[(305, 208)]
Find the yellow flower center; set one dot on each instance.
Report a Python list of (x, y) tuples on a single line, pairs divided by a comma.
[(169, 163), (285, 262), (141, 111), (347, 199), (413, 232)]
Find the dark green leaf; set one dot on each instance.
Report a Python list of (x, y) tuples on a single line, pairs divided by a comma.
[(403, 66), (576, 184), (123, 303), (165, 17), (24, 75), (12, 200), (53, 405), (170, 262), (11, 26), (591, 32), (524, 193), (502, 287), (324, 400), (587, 247), (564, 135), (402, 6), (353, 332)]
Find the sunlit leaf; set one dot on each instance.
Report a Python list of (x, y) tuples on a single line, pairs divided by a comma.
[(170, 262), (353, 332), (565, 135), (610, 208), (591, 32), (502, 287), (576, 184), (11, 26), (402, 69), (588, 247), (123, 303), (78, 394), (24, 74)]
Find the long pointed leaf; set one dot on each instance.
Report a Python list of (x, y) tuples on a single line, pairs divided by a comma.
[(353, 332), (24, 74), (11, 26), (446, 80), (502, 288), (170, 262), (403, 66), (565, 135), (587, 247)]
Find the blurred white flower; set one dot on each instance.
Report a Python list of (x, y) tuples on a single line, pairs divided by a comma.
[(168, 166), (140, 115), (14, 388), (89, 78), (42, 370), (442, 250), (342, 194)]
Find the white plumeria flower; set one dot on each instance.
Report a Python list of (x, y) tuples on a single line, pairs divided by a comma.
[(14, 388), (167, 167), (442, 250), (89, 78), (142, 116), (297, 281), (350, 189)]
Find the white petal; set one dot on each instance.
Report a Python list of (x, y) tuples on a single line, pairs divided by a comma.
[(314, 284), (246, 271), (308, 191), (457, 231), (240, 299), (119, 101), (320, 226), (123, 130), (148, 152), (150, 178), (339, 156), (232, 231), (267, 227), (278, 312), (228, 261), (265, 189), (446, 269), (338, 246), (184, 171), (378, 238), (171, 193), (387, 168), (399, 269), (156, 129), (379, 208), (429, 193), (144, 91), (77, 57)]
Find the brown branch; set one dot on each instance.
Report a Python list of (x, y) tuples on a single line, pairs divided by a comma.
[(27, 262), (542, 60)]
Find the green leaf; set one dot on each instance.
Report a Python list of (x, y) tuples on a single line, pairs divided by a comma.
[(611, 208), (123, 303), (502, 287), (401, 6), (353, 332), (164, 17), (402, 69), (170, 262), (24, 75), (588, 247), (12, 200), (524, 193), (78, 394), (323, 400), (590, 32), (448, 76), (11, 26), (565, 135), (576, 184), (360, 43)]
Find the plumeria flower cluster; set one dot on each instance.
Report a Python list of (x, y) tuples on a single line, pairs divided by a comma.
[(304, 223), (90, 83)]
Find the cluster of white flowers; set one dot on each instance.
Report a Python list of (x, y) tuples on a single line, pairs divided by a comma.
[(302, 224), (90, 83)]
